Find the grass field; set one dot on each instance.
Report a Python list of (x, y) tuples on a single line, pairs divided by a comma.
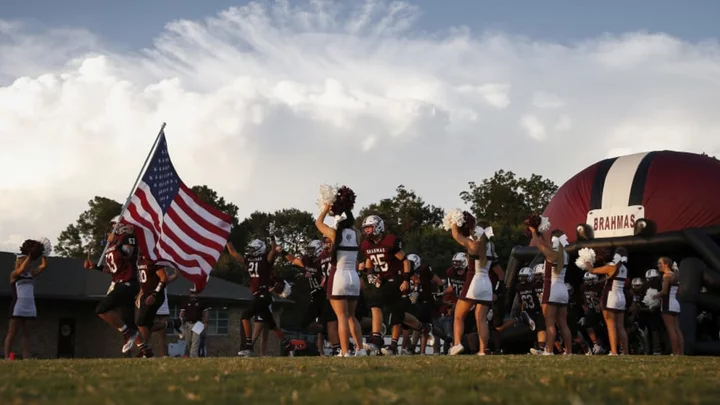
[(379, 380)]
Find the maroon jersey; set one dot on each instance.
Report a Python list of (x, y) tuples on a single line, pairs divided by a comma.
[(529, 297), (382, 255), (592, 294), (325, 265), (120, 259), (455, 280), (147, 273), (539, 285), (425, 285), (313, 266), (261, 272)]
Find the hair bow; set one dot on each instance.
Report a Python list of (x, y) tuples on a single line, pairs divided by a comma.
[(619, 259), (558, 240), (675, 267), (480, 231), (338, 219)]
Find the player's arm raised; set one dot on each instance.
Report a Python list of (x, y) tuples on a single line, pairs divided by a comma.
[(235, 255)]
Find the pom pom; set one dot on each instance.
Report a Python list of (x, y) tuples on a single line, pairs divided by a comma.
[(675, 267), (585, 255), (32, 248), (649, 299), (328, 194), (454, 217), (340, 199), (47, 246), (544, 224), (344, 201)]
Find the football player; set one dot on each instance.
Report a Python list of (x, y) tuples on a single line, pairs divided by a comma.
[(310, 262), (426, 282), (327, 316), (153, 279), (592, 319), (258, 262), (117, 308), (530, 309), (388, 278)]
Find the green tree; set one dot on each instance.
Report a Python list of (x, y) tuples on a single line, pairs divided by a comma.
[(89, 231), (403, 212), (505, 200)]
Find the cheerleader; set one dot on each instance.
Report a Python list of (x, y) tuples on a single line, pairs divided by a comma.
[(343, 284), (613, 303), (22, 310), (477, 290), (670, 306), (555, 294)]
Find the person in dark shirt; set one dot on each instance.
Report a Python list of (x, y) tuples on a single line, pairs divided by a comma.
[(192, 312)]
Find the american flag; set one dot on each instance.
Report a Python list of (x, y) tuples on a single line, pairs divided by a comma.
[(173, 227)]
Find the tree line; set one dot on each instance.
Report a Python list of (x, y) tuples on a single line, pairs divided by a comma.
[(504, 200)]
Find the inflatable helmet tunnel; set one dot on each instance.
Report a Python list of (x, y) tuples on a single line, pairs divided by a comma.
[(660, 203)]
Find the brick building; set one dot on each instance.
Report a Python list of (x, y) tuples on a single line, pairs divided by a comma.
[(66, 296)]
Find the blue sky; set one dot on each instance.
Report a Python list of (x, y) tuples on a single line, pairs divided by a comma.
[(134, 23), (265, 104)]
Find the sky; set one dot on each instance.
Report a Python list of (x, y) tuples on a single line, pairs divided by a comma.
[(265, 101)]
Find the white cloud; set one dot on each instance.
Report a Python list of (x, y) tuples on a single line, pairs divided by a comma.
[(296, 93), (534, 127), (547, 100)]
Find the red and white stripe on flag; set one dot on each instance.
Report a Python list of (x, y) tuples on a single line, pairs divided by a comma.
[(173, 226)]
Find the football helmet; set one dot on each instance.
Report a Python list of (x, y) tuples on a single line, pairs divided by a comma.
[(415, 261), (115, 220), (652, 273), (590, 278), (637, 283), (314, 248), (256, 247), (377, 224), (460, 261), (540, 270), (525, 274)]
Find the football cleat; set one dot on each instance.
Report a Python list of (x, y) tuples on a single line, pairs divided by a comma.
[(129, 338)]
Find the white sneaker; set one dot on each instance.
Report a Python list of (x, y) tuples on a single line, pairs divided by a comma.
[(547, 353), (597, 349), (361, 353), (387, 352), (455, 350), (405, 352), (245, 353), (371, 349), (342, 355), (130, 342), (537, 352)]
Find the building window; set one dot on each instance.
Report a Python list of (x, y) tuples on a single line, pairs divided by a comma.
[(218, 320)]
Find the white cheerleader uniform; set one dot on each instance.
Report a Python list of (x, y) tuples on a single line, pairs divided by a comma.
[(343, 281), (23, 297), (554, 290), (164, 309), (477, 286), (670, 304), (613, 298)]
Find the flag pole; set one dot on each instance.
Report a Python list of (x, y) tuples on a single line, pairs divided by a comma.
[(132, 191)]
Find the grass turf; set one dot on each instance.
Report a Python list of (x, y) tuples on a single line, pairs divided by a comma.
[(379, 380)]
